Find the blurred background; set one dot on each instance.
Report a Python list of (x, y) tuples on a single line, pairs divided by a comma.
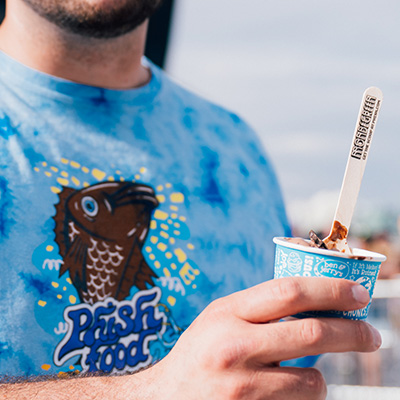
[(295, 70)]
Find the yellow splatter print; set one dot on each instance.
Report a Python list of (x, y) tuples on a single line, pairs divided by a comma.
[(72, 299), (171, 300), (63, 182), (162, 246), (99, 175), (161, 215), (161, 198), (75, 181), (75, 164), (182, 257), (177, 198)]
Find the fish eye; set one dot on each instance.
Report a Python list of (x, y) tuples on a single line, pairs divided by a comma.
[(90, 206)]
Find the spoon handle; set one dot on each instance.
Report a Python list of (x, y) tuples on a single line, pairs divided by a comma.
[(363, 133)]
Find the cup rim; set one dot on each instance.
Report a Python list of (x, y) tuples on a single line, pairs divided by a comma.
[(369, 255)]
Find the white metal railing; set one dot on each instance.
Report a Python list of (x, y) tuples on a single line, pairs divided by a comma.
[(350, 392), (387, 288), (386, 318)]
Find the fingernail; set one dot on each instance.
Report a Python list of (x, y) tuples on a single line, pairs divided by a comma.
[(360, 294), (377, 337)]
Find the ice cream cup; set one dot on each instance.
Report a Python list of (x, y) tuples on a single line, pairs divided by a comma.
[(292, 259)]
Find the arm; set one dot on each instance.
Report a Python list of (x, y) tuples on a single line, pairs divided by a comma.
[(233, 349), (125, 387), (136, 386)]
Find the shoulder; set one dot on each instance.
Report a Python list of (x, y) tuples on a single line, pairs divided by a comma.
[(196, 110), (177, 90), (219, 130)]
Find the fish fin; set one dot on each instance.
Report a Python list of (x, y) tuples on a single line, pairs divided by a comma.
[(75, 264), (137, 273), (61, 219)]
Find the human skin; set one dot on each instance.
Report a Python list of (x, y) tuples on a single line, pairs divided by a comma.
[(113, 63), (233, 349)]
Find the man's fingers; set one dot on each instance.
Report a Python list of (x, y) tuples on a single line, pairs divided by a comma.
[(287, 296), (310, 336)]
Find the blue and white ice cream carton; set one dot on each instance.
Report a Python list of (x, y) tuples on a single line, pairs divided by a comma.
[(292, 259)]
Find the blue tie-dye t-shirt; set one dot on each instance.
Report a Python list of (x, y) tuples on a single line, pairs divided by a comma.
[(123, 213)]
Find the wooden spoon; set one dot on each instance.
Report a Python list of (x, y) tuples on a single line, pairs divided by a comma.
[(363, 133)]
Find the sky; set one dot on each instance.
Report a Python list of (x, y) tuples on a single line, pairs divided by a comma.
[(295, 70)]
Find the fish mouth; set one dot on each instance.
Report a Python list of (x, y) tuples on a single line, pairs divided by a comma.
[(133, 193)]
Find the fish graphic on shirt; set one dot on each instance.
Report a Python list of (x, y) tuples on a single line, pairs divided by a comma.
[(100, 231)]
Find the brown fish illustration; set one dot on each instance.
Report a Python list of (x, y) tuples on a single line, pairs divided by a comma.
[(100, 231)]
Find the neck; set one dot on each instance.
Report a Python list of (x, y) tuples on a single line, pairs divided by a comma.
[(110, 63)]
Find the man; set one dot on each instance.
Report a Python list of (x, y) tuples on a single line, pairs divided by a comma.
[(127, 205)]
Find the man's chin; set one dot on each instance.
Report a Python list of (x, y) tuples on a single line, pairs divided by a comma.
[(95, 18)]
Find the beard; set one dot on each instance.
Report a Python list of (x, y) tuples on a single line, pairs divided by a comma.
[(94, 20)]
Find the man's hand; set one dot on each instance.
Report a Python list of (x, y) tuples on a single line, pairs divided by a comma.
[(233, 349)]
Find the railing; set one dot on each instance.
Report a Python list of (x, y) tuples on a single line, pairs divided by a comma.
[(375, 376), (351, 392)]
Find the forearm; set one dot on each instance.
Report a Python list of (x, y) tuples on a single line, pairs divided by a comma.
[(136, 386)]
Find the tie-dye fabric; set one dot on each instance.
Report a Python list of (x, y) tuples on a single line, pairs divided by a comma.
[(122, 215)]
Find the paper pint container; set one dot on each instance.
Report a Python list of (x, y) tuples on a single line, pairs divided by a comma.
[(298, 260)]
